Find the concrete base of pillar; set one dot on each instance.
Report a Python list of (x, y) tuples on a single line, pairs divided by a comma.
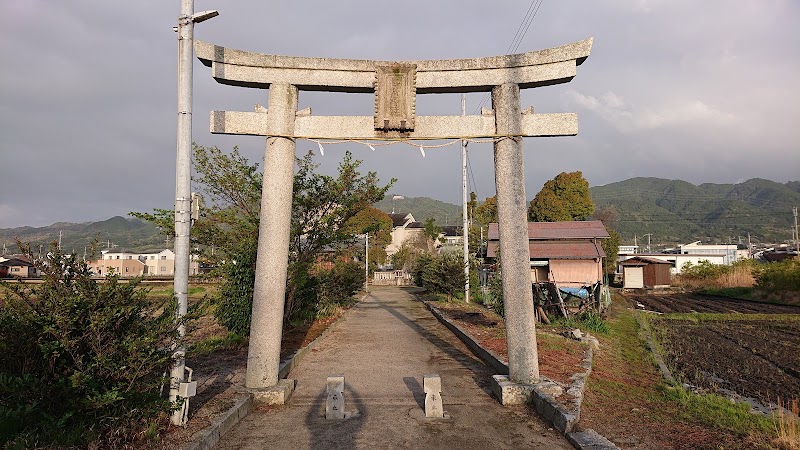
[(540, 395), (273, 395), (511, 393)]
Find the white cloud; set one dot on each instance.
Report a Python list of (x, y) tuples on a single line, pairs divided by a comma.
[(631, 118)]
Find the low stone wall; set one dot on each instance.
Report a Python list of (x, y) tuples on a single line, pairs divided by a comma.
[(541, 395)]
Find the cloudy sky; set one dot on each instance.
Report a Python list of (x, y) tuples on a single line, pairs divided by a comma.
[(699, 91)]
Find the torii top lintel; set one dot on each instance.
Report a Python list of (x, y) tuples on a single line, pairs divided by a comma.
[(395, 85), (257, 70)]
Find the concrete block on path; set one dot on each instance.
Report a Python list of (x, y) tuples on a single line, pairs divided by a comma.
[(334, 406), (432, 385)]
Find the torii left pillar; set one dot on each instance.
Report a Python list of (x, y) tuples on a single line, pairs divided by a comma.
[(263, 358)]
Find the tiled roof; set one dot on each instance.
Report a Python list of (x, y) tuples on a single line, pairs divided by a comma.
[(559, 230), (556, 250), (452, 230), (399, 219)]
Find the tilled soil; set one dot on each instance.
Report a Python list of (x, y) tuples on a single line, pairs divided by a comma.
[(686, 303), (754, 358)]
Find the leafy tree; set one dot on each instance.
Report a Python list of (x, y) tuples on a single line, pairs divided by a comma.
[(611, 248), (564, 198), (81, 361), (486, 213), (432, 231), (227, 231), (608, 215), (441, 274), (379, 226)]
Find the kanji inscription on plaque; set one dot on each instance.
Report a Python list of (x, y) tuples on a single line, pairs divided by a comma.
[(395, 97)]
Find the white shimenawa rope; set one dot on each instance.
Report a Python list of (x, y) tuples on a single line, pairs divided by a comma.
[(391, 141)]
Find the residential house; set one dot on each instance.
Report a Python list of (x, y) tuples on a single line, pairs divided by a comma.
[(19, 267), (404, 228), (567, 253), (451, 239), (131, 264)]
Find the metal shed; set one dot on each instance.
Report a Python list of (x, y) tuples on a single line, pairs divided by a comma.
[(642, 272)]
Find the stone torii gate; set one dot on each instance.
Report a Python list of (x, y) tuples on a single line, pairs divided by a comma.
[(395, 85)]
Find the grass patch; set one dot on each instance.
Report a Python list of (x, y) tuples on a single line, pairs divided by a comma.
[(546, 341), (196, 290), (588, 320), (719, 412), (214, 343), (626, 397)]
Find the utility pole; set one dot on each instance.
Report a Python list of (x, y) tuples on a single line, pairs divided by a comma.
[(648, 241), (60, 234), (183, 189), (796, 236), (465, 223), (366, 263)]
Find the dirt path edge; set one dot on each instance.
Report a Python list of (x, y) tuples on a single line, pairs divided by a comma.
[(552, 411)]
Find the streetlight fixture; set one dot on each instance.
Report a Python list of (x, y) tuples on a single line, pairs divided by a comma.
[(183, 193)]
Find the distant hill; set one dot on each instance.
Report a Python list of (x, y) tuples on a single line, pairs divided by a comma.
[(675, 211), (422, 208), (124, 233)]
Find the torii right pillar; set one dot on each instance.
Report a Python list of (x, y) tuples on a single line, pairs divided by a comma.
[(509, 175)]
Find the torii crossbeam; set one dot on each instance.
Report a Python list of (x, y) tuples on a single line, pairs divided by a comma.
[(395, 85)]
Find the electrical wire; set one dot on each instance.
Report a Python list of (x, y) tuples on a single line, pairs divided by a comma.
[(517, 40)]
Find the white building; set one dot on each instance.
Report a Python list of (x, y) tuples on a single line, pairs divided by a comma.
[(131, 264), (694, 253)]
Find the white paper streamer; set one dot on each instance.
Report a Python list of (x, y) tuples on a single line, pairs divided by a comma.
[(422, 150), (371, 147), (321, 150)]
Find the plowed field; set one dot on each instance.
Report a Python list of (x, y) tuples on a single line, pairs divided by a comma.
[(686, 303), (752, 355)]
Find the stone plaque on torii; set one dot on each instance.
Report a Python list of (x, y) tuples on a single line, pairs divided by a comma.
[(395, 85)]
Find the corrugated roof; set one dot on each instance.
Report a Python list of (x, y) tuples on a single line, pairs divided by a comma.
[(587, 229), (557, 250), (643, 261)]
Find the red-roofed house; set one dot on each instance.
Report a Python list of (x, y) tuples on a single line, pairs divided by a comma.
[(568, 253)]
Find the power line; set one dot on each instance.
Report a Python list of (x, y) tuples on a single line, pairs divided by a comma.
[(524, 26)]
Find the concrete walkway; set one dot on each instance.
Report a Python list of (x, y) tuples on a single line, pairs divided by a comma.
[(383, 347)]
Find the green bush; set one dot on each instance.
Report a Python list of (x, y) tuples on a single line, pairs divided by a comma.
[(441, 274), (234, 299), (342, 281), (81, 361), (779, 277), (704, 270)]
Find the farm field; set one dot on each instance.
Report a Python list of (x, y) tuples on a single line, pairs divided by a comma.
[(729, 346), (688, 303)]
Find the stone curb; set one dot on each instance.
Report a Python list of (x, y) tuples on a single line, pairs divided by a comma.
[(551, 410), (208, 437)]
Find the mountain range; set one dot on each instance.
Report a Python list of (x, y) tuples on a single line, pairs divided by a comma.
[(675, 211), (670, 211)]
